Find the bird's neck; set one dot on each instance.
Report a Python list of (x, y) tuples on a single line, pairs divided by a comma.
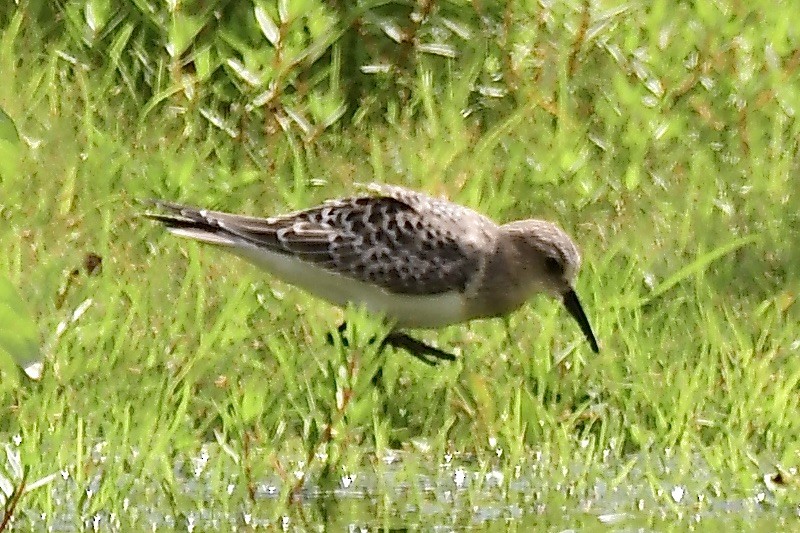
[(504, 285)]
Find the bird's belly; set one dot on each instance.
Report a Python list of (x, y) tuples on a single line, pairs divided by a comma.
[(404, 311)]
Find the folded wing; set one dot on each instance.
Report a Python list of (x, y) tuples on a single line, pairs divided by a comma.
[(394, 242)]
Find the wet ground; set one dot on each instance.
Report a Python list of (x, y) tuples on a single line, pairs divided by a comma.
[(404, 490)]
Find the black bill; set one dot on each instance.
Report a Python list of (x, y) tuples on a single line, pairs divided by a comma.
[(573, 305)]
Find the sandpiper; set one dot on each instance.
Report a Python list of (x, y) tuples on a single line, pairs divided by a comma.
[(419, 261)]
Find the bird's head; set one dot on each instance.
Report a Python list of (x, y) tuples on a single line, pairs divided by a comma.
[(550, 262)]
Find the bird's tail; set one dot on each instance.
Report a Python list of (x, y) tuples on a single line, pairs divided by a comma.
[(191, 222)]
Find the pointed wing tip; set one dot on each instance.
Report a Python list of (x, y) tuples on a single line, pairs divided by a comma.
[(160, 210)]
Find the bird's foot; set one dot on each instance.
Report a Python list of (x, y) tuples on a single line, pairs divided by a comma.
[(429, 355)]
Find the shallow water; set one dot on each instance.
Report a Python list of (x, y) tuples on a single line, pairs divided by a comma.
[(407, 490)]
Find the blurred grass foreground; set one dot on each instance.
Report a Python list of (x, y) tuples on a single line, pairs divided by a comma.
[(150, 383)]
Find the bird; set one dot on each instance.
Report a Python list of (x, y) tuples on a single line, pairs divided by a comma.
[(419, 261)]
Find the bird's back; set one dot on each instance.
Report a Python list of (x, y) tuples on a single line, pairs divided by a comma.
[(389, 250)]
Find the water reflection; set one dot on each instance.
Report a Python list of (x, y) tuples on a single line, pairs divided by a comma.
[(406, 490)]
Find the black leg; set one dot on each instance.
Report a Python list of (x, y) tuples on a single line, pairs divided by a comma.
[(377, 379), (425, 353), (340, 331)]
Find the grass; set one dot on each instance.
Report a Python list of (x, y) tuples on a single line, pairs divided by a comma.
[(192, 387)]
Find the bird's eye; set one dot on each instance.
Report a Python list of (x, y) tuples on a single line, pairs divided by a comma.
[(553, 266)]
